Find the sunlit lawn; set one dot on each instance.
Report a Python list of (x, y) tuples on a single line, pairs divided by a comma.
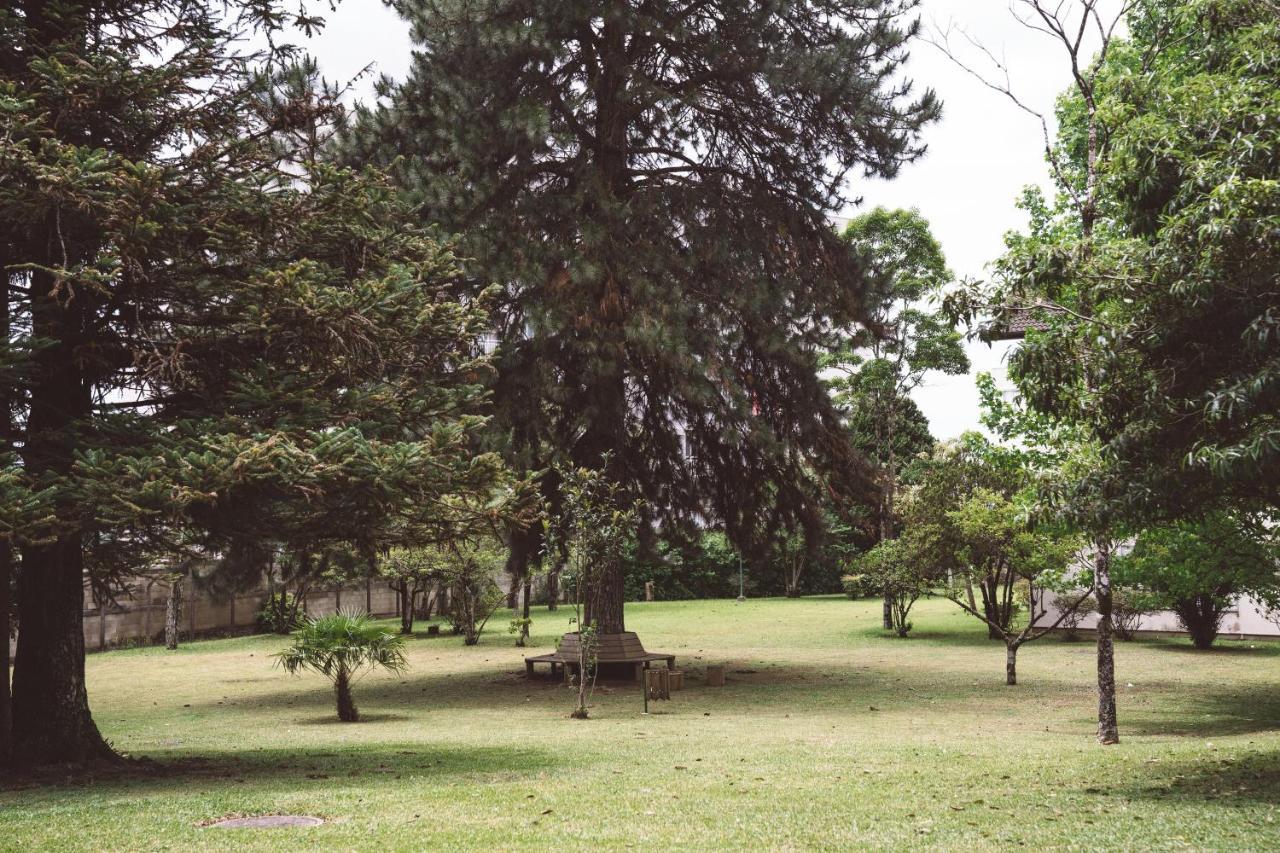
[(827, 735)]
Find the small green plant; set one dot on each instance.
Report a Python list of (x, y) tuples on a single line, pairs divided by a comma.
[(520, 627), (343, 647)]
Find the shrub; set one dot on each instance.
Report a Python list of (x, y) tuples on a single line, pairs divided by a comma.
[(1071, 624), (1128, 606), (281, 613), (860, 586)]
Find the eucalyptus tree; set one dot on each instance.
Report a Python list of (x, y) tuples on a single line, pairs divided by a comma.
[(908, 336)]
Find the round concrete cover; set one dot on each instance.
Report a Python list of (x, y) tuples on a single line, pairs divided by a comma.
[(267, 821)]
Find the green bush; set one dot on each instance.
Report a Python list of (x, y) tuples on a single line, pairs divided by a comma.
[(860, 586), (280, 614)]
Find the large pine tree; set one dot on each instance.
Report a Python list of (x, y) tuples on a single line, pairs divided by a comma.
[(651, 184), (213, 334)]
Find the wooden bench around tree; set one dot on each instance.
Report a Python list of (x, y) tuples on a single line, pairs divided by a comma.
[(613, 650)]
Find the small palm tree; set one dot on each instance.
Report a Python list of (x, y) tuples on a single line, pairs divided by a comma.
[(343, 647)]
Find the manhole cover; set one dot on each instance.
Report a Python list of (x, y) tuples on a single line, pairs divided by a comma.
[(267, 821)]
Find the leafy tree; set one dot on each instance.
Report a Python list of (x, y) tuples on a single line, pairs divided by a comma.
[(342, 647), (1010, 560), (1189, 411), (411, 572), (217, 338), (651, 184), (468, 570), (1199, 568), (905, 568), (1041, 278), (907, 338)]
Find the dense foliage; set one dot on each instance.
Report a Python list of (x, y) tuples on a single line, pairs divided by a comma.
[(651, 184), (218, 342), (1198, 569)]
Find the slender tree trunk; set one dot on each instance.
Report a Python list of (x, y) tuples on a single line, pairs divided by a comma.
[(1108, 725), (347, 711), (553, 588), (172, 613), (6, 709), (6, 547), (406, 608), (51, 718), (1011, 664), (526, 594)]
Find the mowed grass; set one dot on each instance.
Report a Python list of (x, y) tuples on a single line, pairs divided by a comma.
[(828, 735)]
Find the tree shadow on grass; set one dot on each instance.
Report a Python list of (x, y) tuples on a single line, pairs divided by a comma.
[(1223, 648), (1246, 780), (1220, 714), (286, 769)]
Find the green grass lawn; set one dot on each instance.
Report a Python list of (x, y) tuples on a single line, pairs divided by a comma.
[(828, 734)]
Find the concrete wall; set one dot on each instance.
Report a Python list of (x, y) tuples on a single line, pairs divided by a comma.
[(1247, 619), (139, 618)]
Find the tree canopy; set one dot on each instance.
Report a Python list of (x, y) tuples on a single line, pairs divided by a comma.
[(650, 184)]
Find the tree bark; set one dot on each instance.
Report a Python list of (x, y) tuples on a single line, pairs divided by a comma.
[(347, 711), (6, 709), (553, 589), (1011, 665), (51, 718), (1108, 725), (172, 613), (604, 605)]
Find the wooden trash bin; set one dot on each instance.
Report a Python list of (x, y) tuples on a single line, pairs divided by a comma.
[(715, 675), (677, 679), (658, 683)]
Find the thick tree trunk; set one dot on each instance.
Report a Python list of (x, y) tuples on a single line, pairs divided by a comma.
[(604, 605), (1108, 725), (51, 718), (172, 613), (347, 711), (1011, 665)]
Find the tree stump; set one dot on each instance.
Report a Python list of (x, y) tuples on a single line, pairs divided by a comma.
[(715, 676)]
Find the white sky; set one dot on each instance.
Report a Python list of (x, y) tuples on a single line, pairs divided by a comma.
[(981, 154)]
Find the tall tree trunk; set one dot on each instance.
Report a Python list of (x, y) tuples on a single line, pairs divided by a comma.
[(553, 588), (172, 613), (347, 711), (1108, 725), (51, 718), (1011, 664), (6, 547), (405, 597), (6, 709)]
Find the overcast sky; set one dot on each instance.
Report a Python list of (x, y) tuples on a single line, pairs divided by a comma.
[(981, 154)]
